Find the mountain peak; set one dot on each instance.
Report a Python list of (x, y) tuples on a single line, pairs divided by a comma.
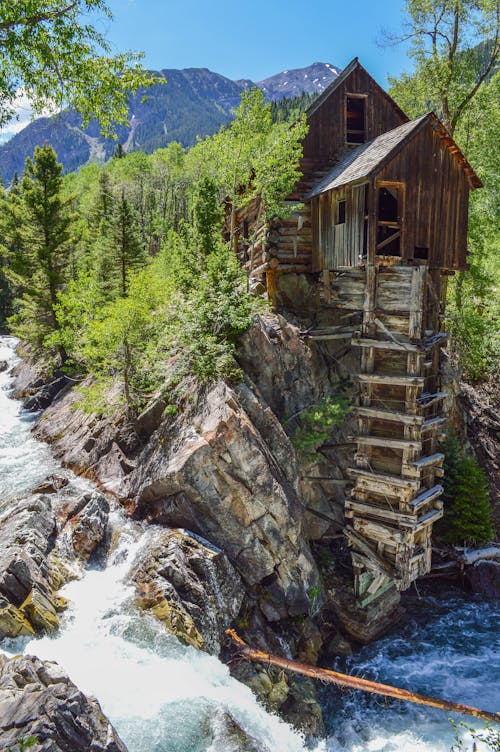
[(291, 83)]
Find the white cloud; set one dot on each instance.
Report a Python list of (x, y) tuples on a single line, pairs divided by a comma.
[(24, 115)]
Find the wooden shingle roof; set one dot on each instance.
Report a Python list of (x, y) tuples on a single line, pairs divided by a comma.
[(365, 159)]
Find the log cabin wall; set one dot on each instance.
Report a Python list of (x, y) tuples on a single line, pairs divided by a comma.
[(436, 196)]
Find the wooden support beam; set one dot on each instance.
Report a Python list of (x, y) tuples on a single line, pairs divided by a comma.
[(383, 513), (373, 412), (380, 378), (367, 476), (358, 542), (354, 682), (383, 344), (427, 399), (384, 441), (428, 519), (432, 423), (426, 497)]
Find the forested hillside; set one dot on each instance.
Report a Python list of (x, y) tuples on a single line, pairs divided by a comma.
[(108, 268), (192, 102)]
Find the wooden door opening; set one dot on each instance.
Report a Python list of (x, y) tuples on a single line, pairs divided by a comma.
[(390, 205)]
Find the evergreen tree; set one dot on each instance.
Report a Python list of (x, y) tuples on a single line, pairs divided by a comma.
[(44, 240), (469, 519), (129, 251)]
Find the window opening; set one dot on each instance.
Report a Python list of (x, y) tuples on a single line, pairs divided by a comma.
[(420, 252), (340, 212), (355, 115), (389, 221)]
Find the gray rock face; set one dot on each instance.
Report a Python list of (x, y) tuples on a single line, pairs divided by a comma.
[(88, 525), (27, 600), (38, 699), (189, 586), (220, 479), (484, 578)]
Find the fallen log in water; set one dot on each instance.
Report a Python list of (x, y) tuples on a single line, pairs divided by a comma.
[(354, 682)]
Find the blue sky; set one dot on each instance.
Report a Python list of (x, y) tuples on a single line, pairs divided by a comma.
[(257, 38), (252, 39)]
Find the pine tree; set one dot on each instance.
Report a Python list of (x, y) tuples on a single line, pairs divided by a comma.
[(129, 250), (469, 519), (44, 247)]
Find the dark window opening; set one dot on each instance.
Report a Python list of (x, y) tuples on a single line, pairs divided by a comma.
[(389, 221), (355, 114), (340, 212), (388, 205), (420, 252)]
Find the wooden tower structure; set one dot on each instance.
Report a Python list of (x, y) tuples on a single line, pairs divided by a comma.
[(383, 222)]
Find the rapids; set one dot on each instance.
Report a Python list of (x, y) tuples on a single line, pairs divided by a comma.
[(165, 697)]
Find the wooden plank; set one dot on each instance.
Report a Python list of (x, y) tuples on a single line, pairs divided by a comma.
[(426, 497), (428, 519), (432, 423), (372, 412), (380, 378), (381, 344), (383, 513), (368, 476), (357, 541), (384, 441), (433, 459)]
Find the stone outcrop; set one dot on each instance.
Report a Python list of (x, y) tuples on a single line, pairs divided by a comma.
[(37, 699), (39, 539), (83, 523), (27, 585), (484, 578), (189, 586)]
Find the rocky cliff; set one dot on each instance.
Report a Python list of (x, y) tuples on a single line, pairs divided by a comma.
[(245, 530)]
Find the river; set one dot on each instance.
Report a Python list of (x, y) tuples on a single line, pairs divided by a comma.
[(165, 697)]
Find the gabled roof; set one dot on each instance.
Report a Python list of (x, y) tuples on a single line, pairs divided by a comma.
[(365, 159), (346, 72)]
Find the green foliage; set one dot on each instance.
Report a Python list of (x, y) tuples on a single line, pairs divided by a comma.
[(467, 508), (316, 423), (144, 295), (487, 737), (467, 87), (290, 108), (37, 242), (60, 59), (455, 46), (24, 744)]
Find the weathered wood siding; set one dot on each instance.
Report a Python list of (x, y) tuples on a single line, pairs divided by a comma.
[(337, 245), (326, 138), (436, 200)]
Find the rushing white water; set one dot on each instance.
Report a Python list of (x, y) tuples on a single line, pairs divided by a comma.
[(165, 697), (448, 648), (160, 695)]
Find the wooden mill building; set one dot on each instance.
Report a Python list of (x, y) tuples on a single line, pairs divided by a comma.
[(383, 222)]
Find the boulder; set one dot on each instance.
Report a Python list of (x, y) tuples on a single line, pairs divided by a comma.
[(188, 585), (3, 365), (228, 735), (484, 578), (89, 526), (47, 393), (37, 699), (51, 485)]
